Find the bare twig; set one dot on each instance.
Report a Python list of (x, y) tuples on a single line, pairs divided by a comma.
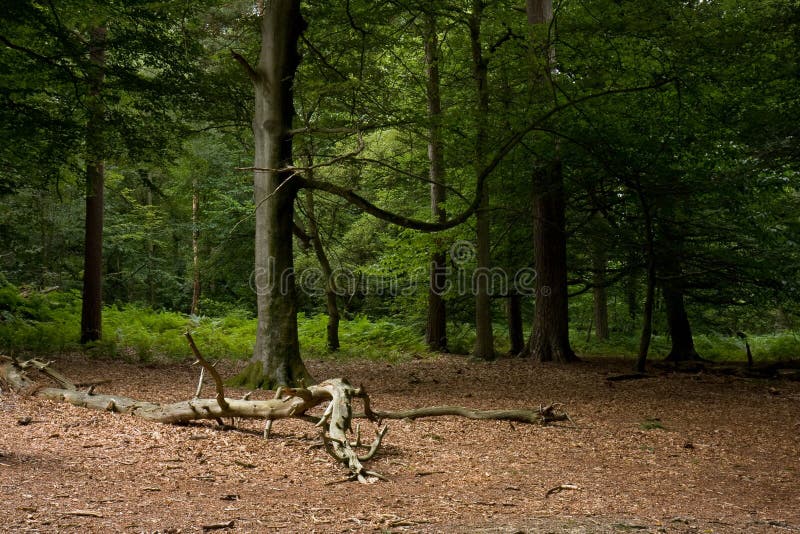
[(223, 403), (200, 383), (560, 488)]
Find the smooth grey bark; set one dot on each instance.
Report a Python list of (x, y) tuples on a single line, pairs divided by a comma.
[(276, 356), (436, 324), (484, 337), (92, 299)]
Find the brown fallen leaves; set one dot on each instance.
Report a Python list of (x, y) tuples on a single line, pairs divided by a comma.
[(70, 470)]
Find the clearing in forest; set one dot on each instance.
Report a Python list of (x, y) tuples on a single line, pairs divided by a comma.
[(673, 453)]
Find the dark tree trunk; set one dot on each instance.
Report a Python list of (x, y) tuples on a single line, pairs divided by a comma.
[(599, 292), (515, 334), (647, 317), (276, 357), (679, 329), (672, 286), (484, 337), (549, 339), (436, 326), (92, 303), (632, 292), (650, 289)]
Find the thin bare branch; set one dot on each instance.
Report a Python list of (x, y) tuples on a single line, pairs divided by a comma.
[(221, 400)]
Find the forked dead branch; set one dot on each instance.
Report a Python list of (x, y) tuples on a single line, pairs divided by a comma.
[(337, 434)]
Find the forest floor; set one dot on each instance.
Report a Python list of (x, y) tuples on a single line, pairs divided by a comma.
[(674, 453)]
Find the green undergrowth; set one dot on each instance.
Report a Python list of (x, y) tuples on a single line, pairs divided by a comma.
[(44, 323), (36, 322), (362, 338), (715, 347)]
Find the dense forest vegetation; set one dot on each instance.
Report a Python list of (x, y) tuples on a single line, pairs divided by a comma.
[(490, 177)]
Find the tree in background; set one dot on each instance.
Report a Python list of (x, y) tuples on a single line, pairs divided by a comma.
[(96, 68)]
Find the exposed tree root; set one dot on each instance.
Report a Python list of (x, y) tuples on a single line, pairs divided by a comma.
[(335, 423)]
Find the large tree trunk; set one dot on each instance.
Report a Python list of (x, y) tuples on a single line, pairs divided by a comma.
[(484, 337), (549, 339), (92, 303), (679, 329), (436, 326), (672, 288), (276, 358)]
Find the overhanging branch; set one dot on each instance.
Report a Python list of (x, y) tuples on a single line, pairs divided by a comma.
[(505, 149)]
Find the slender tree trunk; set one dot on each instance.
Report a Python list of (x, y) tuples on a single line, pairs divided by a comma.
[(436, 326), (330, 287), (647, 317), (151, 250), (632, 292), (599, 292), (650, 287), (92, 303), (600, 296), (195, 308), (515, 334), (484, 338), (276, 357)]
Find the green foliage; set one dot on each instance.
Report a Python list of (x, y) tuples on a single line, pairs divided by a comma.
[(31, 321), (710, 157), (48, 322), (783, 346), (361, 337), (38, 322), (651, 423)]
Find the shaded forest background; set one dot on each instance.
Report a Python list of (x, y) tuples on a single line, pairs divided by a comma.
[(673, 125)]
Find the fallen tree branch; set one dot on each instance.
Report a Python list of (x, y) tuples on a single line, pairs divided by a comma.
[(335, 422), (560, 488), (542, 415)]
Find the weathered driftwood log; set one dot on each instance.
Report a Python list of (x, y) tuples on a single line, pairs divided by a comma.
[(336, 421)]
